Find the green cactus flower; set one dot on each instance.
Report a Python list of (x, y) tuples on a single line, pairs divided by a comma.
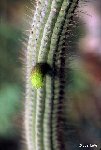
[(36, 78)]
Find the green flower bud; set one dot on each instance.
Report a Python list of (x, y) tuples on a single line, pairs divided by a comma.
[(36, 77)]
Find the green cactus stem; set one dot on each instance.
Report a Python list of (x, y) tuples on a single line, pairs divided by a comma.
[(44, 96)]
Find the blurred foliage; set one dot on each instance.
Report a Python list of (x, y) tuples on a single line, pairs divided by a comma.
[(11, 13), (80, 78), (9, 63), (9, 104)]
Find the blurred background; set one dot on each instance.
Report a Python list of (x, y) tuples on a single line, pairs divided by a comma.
[(11, 87), (84, 90), (83, 93)]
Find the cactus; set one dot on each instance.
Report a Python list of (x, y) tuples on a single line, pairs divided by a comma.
[(47, 44)]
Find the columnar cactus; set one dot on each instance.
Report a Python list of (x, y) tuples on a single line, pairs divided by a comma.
[(47, 44)]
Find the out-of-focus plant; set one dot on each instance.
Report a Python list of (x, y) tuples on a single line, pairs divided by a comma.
[(10, 65), (9, 106)]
